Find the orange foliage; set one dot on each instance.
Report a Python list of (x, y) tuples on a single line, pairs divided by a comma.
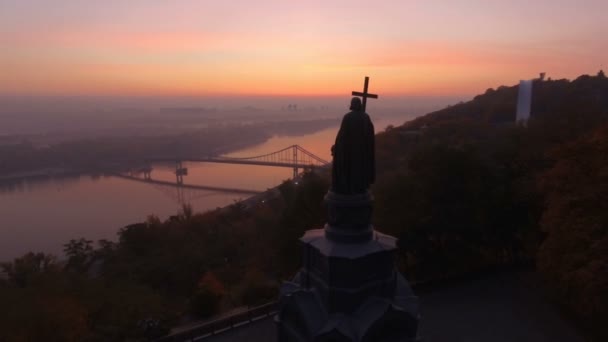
[(210, 282), (574, 256)]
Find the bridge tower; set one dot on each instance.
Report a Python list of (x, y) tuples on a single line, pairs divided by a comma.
[(147, 173), (180, 172), (295, 160), (181, 195)]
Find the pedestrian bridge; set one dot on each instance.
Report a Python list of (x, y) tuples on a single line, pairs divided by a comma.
[(294, 157)]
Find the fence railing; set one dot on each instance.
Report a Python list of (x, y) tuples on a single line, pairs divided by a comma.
[(222, 324)]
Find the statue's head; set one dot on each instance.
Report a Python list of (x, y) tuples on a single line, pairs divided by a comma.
[(355, 104)]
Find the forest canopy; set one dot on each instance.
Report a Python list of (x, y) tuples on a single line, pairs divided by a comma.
[(463, 188)]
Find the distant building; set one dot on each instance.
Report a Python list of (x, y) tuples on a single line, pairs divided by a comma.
[(524, 98), (542, 76), (524, 101)]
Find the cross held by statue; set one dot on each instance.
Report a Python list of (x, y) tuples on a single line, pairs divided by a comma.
[(365, 94)]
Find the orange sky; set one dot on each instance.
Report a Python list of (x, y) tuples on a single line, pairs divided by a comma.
[(262, 47)]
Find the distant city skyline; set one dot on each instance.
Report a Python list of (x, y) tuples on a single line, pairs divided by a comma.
[(271, 48)]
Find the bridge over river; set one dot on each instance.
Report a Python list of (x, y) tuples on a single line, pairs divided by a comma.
[(294, 157), (189, 186)]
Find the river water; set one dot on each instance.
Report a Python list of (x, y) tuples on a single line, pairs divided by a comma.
[(42, 215)]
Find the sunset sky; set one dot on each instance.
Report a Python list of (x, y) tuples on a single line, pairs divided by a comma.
[(154, 47)]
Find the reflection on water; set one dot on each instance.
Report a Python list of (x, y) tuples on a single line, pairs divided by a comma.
[(41, 182), (42, 214)]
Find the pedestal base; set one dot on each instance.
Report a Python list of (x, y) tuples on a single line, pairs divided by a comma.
[(348, 288), (347, 292)]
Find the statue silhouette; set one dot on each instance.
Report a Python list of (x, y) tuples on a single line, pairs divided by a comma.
[(354, 167)]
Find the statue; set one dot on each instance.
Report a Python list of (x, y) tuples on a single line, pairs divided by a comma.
[(354, 169), (348, 288)]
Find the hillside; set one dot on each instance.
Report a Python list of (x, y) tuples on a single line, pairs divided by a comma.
[(463, 188)]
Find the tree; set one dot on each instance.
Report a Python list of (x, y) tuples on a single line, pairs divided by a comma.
[(574, 256), (36, 315), (303, 210), (438, 208), (206, 300), (80, 254), (23, 269), (257, 289)]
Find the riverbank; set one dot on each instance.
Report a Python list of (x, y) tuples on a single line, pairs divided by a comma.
[(36, 174), (71, 203)]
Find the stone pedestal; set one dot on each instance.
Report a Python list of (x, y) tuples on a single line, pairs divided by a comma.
[(348, 288)]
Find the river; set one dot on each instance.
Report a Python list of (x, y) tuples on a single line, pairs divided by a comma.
[(42, 215)]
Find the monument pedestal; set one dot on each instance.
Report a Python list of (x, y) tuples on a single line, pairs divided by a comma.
[(348, 288)]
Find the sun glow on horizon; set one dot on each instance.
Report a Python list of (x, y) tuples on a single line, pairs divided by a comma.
[(274, 48)]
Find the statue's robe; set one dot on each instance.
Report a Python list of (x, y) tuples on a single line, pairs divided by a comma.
[(354, 165)]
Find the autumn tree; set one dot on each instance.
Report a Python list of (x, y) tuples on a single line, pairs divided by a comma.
[(206, 300), (574, 256), (79, 253), (24, 269)]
